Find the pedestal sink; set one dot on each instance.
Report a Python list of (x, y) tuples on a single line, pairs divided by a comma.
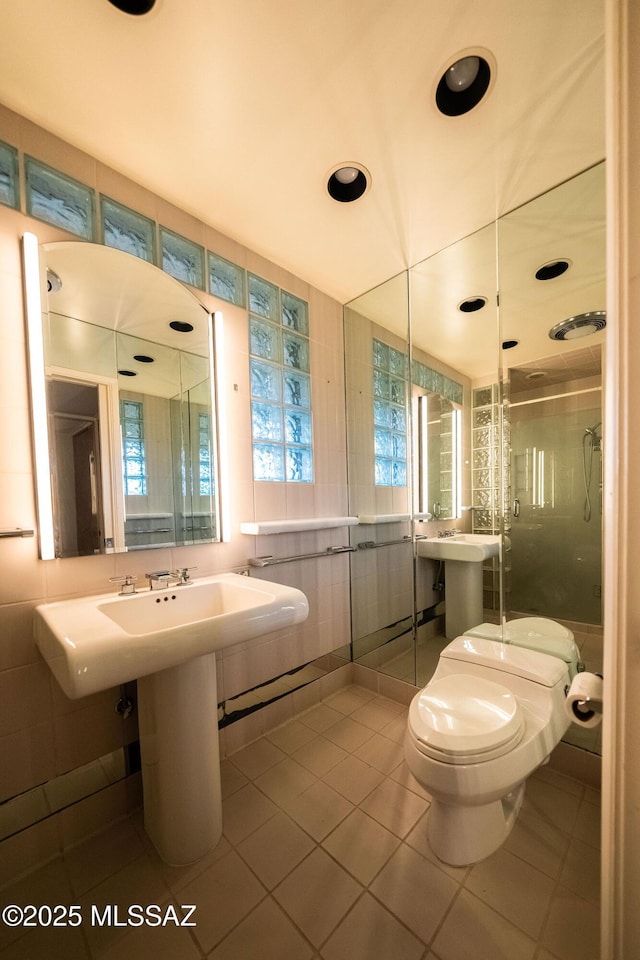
[(167, 640), (463, 555)]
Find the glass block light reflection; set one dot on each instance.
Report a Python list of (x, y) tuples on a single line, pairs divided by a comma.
[(280, 384), (9, 177), (389, 415), (59, 200), (181, 258), (127, 230)]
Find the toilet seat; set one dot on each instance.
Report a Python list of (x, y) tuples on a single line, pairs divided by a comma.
[(465, 719)]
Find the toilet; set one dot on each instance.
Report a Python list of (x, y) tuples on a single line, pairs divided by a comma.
[(491, 714), (534, 633)]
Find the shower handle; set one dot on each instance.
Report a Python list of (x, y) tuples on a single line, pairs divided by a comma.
[(516, 507)]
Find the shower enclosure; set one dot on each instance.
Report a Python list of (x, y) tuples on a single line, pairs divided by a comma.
[(556, 485)]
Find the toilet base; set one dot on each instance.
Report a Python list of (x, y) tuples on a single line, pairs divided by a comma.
[(459, 835)]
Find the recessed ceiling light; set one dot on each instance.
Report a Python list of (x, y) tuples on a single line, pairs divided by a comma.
[(135, 7), (553, 269), (127, 373), (143, 358), (348, 182), (471, 304), (509, 344), (536, 375), (463, 85), (181, 326)]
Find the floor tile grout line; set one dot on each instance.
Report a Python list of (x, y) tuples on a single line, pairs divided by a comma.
[(291, 919)]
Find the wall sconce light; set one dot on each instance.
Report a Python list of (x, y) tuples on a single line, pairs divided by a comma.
[(217, 377), (37, 386)]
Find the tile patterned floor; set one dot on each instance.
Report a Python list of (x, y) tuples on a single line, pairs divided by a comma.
[(324, 855)]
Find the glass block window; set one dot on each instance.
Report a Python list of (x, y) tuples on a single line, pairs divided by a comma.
[(133, 455), (127, 230), (181, 258), (389, 415), (9, 190), (57, 199), (486, 454), (226, 280), (206, 480), (424, 376), (280, 384), (295, 314), (263, 298)]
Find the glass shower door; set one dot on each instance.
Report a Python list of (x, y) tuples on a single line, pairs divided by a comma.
[(556, 527)]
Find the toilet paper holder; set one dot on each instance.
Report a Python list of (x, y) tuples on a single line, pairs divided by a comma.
[(587, 706)]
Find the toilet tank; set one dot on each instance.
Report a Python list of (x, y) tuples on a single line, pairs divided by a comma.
[(530, 665), (534, 633)]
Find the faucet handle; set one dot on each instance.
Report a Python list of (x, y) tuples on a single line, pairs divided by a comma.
[(128, 582), (183, 574)]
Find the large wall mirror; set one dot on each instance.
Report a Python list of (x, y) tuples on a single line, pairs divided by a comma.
[(552, 269), (129, 404), (503, 430)]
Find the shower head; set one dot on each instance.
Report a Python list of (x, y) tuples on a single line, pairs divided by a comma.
[(593, 431), (581, 325)]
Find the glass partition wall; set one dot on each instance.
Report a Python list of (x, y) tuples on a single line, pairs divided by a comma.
[(474, 412)]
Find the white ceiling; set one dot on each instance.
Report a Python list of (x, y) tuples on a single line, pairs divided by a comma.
[(238, 111)]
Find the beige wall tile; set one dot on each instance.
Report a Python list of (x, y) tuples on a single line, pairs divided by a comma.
[(26, 759), (17, 645), (85, 734), (29, 849)]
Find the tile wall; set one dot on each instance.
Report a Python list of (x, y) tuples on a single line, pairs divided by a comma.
[(42, 734)]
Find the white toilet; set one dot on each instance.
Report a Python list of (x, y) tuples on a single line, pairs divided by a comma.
[(534, 633), (491, 714)]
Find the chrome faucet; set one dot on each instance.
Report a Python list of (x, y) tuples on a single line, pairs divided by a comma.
[(161, 579), (448, 533), (182, 573)]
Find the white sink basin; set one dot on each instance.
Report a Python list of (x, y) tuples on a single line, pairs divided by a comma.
[(167, 640), (470, 547), (93, 643)]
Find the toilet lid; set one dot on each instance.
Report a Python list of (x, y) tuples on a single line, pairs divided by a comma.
[(460, 718)]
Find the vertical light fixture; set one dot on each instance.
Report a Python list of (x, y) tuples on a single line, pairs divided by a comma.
[(216, 354), (456, 463), (37, 384), (423, 454)]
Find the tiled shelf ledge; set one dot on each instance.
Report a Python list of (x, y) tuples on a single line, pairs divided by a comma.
[(263, 527)]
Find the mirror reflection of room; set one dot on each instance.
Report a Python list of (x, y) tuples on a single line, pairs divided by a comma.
[(529, 402), (131, 415)]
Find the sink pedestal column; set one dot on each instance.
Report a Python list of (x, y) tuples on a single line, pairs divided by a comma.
[(463, 596), (178, 718)]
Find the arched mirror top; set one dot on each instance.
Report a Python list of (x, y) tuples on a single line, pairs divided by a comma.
[(117, 291)]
